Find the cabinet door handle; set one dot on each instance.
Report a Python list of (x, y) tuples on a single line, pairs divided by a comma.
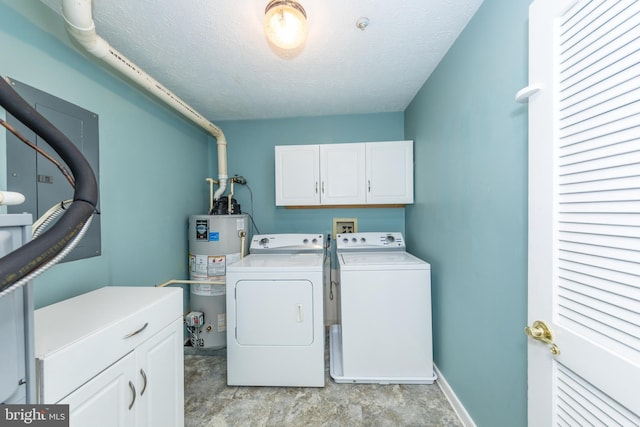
[(129, 335), (144, 385), (322, 187), (133, 395), (369, 185), (316, 187)]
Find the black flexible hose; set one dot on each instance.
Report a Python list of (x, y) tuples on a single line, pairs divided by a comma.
[(26, 259)]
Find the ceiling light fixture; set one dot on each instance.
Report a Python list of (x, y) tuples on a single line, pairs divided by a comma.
[(285, 23)]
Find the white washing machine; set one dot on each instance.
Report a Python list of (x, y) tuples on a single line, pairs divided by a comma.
[(385, 332), (275, 329)]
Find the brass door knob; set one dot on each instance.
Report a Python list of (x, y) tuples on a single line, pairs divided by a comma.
[(541, 332)]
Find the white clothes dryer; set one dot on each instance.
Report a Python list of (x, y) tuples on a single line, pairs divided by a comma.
[(275, 325), (385, 334)]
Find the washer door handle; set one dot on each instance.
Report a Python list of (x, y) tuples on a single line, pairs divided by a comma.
[(299, 313)]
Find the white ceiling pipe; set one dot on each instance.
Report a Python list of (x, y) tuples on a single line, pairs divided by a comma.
[(80, 26)]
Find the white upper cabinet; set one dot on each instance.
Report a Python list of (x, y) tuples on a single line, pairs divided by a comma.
[(297, 175), (373, 173), (342, 174), (390, 172)]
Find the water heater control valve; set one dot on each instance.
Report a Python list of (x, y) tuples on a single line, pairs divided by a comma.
[(194, 319)]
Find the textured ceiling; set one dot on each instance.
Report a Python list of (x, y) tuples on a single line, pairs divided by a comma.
[(214, 55)]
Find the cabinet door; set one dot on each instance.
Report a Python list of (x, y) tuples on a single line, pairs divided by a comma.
[(342, 174), (389, 172), (297, 175), (105, 401), (159, 377)]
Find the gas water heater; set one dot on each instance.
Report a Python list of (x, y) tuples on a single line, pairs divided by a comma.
[(215, 241)]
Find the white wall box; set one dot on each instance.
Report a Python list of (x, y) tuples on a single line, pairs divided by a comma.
[(115, 355), (367, 173)]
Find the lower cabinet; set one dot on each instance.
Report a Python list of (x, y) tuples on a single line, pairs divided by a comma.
[(134, 354), (160, 384), (105, 400)]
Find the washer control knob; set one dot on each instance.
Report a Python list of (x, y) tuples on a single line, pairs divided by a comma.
[(314, 241), (390, 239), (264, 241), (354, 240), (305, 241), (363, 240), (345, 240)]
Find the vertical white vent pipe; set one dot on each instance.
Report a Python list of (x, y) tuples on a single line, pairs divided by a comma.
[(80, 26)]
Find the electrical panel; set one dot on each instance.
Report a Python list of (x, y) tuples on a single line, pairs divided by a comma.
[(37, 178)]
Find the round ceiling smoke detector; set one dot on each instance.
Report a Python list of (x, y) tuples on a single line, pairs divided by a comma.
[(362, 23)]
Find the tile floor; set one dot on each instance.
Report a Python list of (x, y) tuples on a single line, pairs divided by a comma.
[(210, 402)]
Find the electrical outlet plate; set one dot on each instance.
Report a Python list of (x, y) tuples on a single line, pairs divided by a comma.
[(344, 225)]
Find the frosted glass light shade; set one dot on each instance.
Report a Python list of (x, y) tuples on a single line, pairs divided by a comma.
[(285, 23)]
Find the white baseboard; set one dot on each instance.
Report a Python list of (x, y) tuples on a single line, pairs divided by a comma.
[(462, 413)]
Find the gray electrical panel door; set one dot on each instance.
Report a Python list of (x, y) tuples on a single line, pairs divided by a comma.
[(37, 178)]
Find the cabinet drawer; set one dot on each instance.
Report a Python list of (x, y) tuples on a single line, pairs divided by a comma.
[(78, 338)]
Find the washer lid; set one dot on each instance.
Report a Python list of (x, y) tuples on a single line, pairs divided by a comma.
[(381, 260)]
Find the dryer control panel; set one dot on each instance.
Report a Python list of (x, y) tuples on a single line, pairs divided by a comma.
[(371, 241), (287, 243)]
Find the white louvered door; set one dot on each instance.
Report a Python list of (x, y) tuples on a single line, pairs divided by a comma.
[(584, 212)]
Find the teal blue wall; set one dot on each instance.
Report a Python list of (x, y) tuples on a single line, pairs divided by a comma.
[(470, 215), (251, 154), (152, 163), (469, 219)]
